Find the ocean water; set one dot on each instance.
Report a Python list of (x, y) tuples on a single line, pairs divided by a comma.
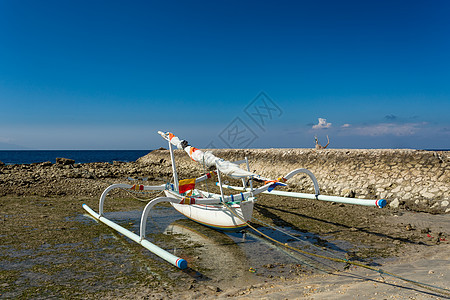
[(80, 156)]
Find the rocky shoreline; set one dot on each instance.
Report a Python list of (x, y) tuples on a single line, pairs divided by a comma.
[(66, 179), (410, 179)]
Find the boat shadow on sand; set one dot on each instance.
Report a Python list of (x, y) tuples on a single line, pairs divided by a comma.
[(245, 256), (266, 211)]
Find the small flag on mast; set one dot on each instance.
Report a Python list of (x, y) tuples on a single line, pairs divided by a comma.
[(186, 185)]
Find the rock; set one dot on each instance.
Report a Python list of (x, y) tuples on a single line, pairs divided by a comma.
[(434, 190), (425, 230), (395, 203), (2, 164), (427, 195), (215, 289), (349, 193), (444, 203), (269, 266), (64, 161), (396, 189)]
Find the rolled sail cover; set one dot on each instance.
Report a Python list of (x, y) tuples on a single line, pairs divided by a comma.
[(209, 159)]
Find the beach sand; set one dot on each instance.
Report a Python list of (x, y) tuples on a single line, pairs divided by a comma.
[(426, 266)]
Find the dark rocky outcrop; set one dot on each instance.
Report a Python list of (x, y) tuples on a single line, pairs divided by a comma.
[(64, 161)]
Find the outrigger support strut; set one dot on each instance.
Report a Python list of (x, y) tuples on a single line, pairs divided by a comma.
[(124, 186), (307, 172), (146, 211)]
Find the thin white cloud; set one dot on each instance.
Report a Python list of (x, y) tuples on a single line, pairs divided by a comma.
[(322, 124), (5, 140), (346, 125), (383, 129)]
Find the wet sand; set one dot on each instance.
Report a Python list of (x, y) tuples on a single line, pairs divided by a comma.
[(430, 267), (424, 265)]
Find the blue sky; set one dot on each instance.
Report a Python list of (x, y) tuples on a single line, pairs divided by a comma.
[(109, 74)]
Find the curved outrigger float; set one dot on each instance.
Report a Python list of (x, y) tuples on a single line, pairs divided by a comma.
[(218, 211)]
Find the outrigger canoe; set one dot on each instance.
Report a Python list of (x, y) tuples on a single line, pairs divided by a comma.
[(218, 211)]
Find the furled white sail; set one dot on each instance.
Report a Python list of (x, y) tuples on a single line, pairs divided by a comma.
[(207, 158)]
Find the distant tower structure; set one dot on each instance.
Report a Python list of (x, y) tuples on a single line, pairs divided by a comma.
[(319, 146)]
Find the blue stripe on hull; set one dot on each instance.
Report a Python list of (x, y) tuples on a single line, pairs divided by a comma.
[(229, 229)]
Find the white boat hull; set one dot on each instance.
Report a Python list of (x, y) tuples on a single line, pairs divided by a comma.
[(217, 216)]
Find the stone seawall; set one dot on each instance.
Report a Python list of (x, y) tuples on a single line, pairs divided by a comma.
[(410, 179)]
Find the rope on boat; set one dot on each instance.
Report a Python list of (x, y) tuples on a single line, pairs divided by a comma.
[(433, 288), (131, 192), (204, 170), (292, 236), (307, 263)]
